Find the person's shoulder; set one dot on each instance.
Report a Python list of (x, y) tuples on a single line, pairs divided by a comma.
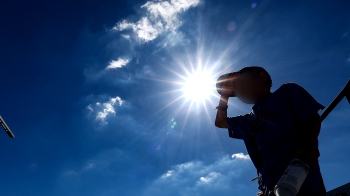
[(289, 86), (247, 115)]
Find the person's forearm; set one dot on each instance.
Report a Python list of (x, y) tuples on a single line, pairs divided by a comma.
[(221, 115), (223, 101)]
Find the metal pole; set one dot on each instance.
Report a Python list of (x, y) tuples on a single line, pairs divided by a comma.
[(344, 93), (7, 129)]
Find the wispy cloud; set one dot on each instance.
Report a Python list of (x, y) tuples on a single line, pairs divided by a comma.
[(118, 63), (99, 162), (143, 28), (222, 177), (160, 17), (126, 36), (108, 108), (104, 109), (208, 179), (75, 178)]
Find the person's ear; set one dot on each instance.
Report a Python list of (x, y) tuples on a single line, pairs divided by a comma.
[(263, 75)]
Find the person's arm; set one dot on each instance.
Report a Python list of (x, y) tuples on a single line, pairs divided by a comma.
[(221, 115), (305, 109), (308, 132), (227, 88)]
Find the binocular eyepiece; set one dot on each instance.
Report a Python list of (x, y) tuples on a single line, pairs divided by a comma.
[(224, 79)]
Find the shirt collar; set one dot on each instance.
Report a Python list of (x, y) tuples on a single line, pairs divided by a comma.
[(257, 105)]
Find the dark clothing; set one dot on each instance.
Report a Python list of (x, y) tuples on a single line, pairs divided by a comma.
[(275, 134)]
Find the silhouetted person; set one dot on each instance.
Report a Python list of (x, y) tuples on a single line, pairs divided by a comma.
[(281, 126), (341, 194)]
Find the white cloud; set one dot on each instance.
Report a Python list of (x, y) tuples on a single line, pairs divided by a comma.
[(70, 173), (168, 174), (90, 108), (75, 177), (100, 162), (107, 109), (143, 28), (89, 166), (161, 17), (209, 178), (240, 156), (126, 36), (226, 176), (168, 11), (118, 63)]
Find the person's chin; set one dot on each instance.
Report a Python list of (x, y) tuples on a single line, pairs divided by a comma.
[(249, 102), (246, 100)]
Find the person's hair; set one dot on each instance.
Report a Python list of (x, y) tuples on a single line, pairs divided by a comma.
[(255, 71)]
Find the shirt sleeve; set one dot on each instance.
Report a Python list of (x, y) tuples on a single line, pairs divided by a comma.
[(239, 126), (302, 103)]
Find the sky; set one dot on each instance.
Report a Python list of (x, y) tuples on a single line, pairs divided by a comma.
[(103, 96)]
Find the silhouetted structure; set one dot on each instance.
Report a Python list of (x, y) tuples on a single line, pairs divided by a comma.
[(344, 93), (345, 189), (6, 128), (340, 191)]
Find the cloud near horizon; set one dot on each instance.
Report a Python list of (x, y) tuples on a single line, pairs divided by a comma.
[(197, 178)]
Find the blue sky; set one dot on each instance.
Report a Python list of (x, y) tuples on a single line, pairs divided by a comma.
[(93, 91)]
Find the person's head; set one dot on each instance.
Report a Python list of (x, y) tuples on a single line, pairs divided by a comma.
[(252, 84)]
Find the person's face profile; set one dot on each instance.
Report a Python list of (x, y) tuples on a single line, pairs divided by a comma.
[(245, 88)]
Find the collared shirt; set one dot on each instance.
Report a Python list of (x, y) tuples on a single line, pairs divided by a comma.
[(275, 136)]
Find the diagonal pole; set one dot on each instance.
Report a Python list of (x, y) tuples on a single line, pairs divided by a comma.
[(344, 93), (7, 129)]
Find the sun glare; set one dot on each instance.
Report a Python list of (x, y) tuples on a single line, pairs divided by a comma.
[(198, 86)]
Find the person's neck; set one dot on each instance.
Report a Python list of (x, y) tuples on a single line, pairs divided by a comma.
[(262, 95)]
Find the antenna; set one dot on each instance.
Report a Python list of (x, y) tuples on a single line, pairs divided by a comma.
[(344, 93), (7, 129)]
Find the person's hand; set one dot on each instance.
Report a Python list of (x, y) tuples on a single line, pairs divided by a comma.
[(228, 86)]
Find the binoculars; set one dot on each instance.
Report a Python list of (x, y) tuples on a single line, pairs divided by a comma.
[(224, 79)]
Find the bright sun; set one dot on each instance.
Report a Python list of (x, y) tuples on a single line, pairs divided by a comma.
[(198, 86)]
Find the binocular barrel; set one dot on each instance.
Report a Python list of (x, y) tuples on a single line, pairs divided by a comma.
[(224, 79)]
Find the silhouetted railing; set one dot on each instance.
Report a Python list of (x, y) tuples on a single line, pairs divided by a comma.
[(344, 93), (6, 128)]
